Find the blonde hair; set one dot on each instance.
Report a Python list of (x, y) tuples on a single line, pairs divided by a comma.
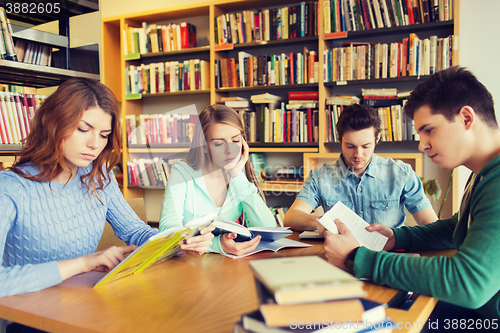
[(198, 152)]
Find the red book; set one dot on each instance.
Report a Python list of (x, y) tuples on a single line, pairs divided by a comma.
[(410, 11), (309, 125), (188, 35), (3, 127), (294, 95), (380, 97), (404, 59), (289, 129), (234, 74), (292, 68)]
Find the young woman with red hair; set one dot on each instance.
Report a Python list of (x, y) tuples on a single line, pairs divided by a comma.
[(55, 198)]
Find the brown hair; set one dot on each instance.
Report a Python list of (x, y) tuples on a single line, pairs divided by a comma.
[(447, 91), (211, 115), (56, 119), (357, 117)]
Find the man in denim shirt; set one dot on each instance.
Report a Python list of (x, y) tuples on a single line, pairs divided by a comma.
[(376, 188)]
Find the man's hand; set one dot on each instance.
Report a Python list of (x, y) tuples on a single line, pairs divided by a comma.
[(386, 231), (338, 247)]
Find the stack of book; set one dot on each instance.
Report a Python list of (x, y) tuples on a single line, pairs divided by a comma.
[(268, 24), (145, 129), (7, 49), (309, 293), (345, 15), (154, 38), (170, 76), (16, 111)]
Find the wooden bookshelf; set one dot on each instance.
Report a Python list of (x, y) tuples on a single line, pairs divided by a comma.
[(114, 63)]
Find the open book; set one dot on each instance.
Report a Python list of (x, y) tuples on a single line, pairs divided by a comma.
[(357, 226), (162, 246), (245, 234)]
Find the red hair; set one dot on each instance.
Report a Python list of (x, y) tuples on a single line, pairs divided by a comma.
[(56, 119)]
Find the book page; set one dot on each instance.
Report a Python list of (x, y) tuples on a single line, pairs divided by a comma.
[(357, 226)]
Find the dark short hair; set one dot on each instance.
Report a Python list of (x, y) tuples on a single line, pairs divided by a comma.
[(447, 91), (358, 117)]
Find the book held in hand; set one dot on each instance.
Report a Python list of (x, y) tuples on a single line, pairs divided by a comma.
[(357, 226), (245, 234), (296, 280), (162, 246)]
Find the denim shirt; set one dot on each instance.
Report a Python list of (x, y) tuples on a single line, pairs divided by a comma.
[(386, 187)]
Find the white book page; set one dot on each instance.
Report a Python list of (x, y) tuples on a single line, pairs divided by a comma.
[(357, 226)]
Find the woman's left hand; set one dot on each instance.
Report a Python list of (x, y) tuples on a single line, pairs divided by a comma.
[(198, 245), (240, 166)]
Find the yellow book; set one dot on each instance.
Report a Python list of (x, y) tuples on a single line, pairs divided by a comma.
[(159, 247), (192, 71), (389, 124)]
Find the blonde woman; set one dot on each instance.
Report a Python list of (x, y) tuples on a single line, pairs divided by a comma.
[(216, 177)]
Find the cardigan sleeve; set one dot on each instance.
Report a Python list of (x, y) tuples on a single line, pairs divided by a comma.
[(20, 279), (125, 222)]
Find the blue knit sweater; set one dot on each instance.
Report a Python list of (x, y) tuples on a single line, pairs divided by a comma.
[(42, 223)]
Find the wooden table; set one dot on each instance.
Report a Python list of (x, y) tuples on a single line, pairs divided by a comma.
[(184, 294)]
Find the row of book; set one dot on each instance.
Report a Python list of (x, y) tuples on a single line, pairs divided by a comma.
[(356, 15), (7, 49), (149, 172), (170, 76), (250, 71), (267, 24), (276, 124), (33, 53), (16, 111), (154, 38), (144, 129), (410, 57)]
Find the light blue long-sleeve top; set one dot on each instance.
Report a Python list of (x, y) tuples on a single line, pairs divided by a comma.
[(187, 198), (382, 193), (42, 223)]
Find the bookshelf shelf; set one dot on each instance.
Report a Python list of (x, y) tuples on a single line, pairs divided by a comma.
[(114, 62), (279, 42), (20, 73), (38, 36), (270, 87), (277, 187), (391, 80), (10, 148), (200, 49), (432, 26)]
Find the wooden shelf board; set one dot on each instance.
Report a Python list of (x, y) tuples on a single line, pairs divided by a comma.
[(272, 87), (281, 187), (10, 148), (199, 49), (20, 73)]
